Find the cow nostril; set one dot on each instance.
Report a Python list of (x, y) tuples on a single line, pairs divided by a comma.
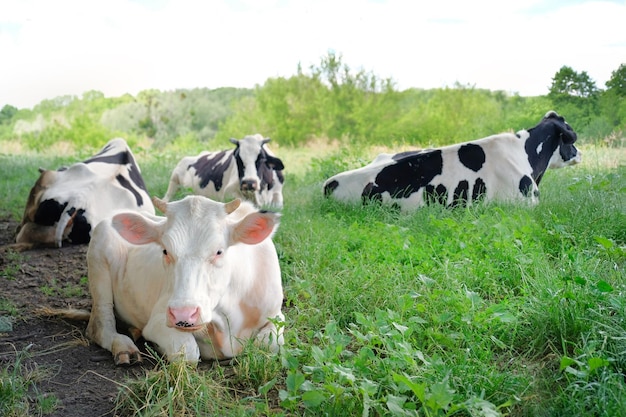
[(183, 316), (248, 185)]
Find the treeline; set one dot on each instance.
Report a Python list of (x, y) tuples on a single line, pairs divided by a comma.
[(329, 101)]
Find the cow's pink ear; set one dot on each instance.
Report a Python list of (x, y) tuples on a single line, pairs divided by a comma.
[(135, 228), (255, 227)]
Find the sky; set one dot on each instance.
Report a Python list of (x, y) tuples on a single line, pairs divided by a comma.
[(68, 47)]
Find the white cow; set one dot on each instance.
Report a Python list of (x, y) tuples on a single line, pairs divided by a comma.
[(198, 283), (250, 171)]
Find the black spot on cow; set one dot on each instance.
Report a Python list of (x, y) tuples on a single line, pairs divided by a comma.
[(271, 164), (49, 212), (265, 166), (480, 190), (437, 194), (330, 187), (369, 195), (461, 192), (123, 159), (472, 156), (210, 168), (525, 185), (127, 185), (408, 175), (81, 228), (135, 175)]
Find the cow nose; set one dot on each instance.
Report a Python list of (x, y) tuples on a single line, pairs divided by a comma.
[(183, 316), (248, 185)]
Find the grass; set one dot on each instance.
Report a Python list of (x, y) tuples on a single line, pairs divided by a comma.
[(19, 396), (484, 311)]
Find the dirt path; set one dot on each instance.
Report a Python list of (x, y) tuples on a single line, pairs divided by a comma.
[(81, 375)]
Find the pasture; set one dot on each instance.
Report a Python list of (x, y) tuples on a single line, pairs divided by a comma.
[(484, 311)]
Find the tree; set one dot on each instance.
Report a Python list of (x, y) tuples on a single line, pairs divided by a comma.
[(612, 101), (7, 113), (567, 82), (617, 83), (574, 95)]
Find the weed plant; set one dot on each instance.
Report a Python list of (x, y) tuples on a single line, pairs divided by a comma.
[(19, 396)]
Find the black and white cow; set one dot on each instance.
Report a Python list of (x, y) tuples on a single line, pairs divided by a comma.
[(504, 167), (250, 171), (66, 204)]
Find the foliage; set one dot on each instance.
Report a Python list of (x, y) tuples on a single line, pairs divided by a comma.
[(617, 82), (7, 113), (329, 101), (19, 395), (613, 100), (576, 93)]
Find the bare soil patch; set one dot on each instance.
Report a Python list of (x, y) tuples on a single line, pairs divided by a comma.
[(80, 374)]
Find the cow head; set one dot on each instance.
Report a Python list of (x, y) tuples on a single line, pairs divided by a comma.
[(195, 239), (255, 165), (550, 144)]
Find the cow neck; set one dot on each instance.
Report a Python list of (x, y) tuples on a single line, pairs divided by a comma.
[(540, 147)]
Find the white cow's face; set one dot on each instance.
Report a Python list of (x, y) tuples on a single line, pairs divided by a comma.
[(195, 239)]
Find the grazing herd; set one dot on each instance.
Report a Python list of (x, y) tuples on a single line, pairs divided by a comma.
[(203, 279)]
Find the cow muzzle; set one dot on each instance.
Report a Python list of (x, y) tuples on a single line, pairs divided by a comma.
[(186, 319), (248, 185)]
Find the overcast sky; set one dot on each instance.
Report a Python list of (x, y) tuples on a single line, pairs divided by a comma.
[(50, 48)]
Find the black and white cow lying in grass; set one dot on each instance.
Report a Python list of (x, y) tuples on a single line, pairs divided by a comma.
[(66, 204), (505, 167)]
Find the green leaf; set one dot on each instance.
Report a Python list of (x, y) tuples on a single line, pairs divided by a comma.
[(313, 398), (400, 327), (606, 243), (265, 388), (441, 394), (294, 380), (418, 389), (396, 405), (565, 362), (595, 363), (604, 286)]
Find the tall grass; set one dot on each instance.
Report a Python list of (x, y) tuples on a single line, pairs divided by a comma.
[(491, 310)]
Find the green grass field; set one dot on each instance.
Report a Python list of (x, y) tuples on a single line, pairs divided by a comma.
[(484, 311)]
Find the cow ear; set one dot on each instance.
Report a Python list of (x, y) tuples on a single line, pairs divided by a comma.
[(160, 204), (255, 227), (274, 163), (135, 228), (232, 205), (234, 141), (567, 133), (568, 136)]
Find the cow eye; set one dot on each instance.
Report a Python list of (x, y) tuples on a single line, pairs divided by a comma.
[(219, 252), (165, 252)]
